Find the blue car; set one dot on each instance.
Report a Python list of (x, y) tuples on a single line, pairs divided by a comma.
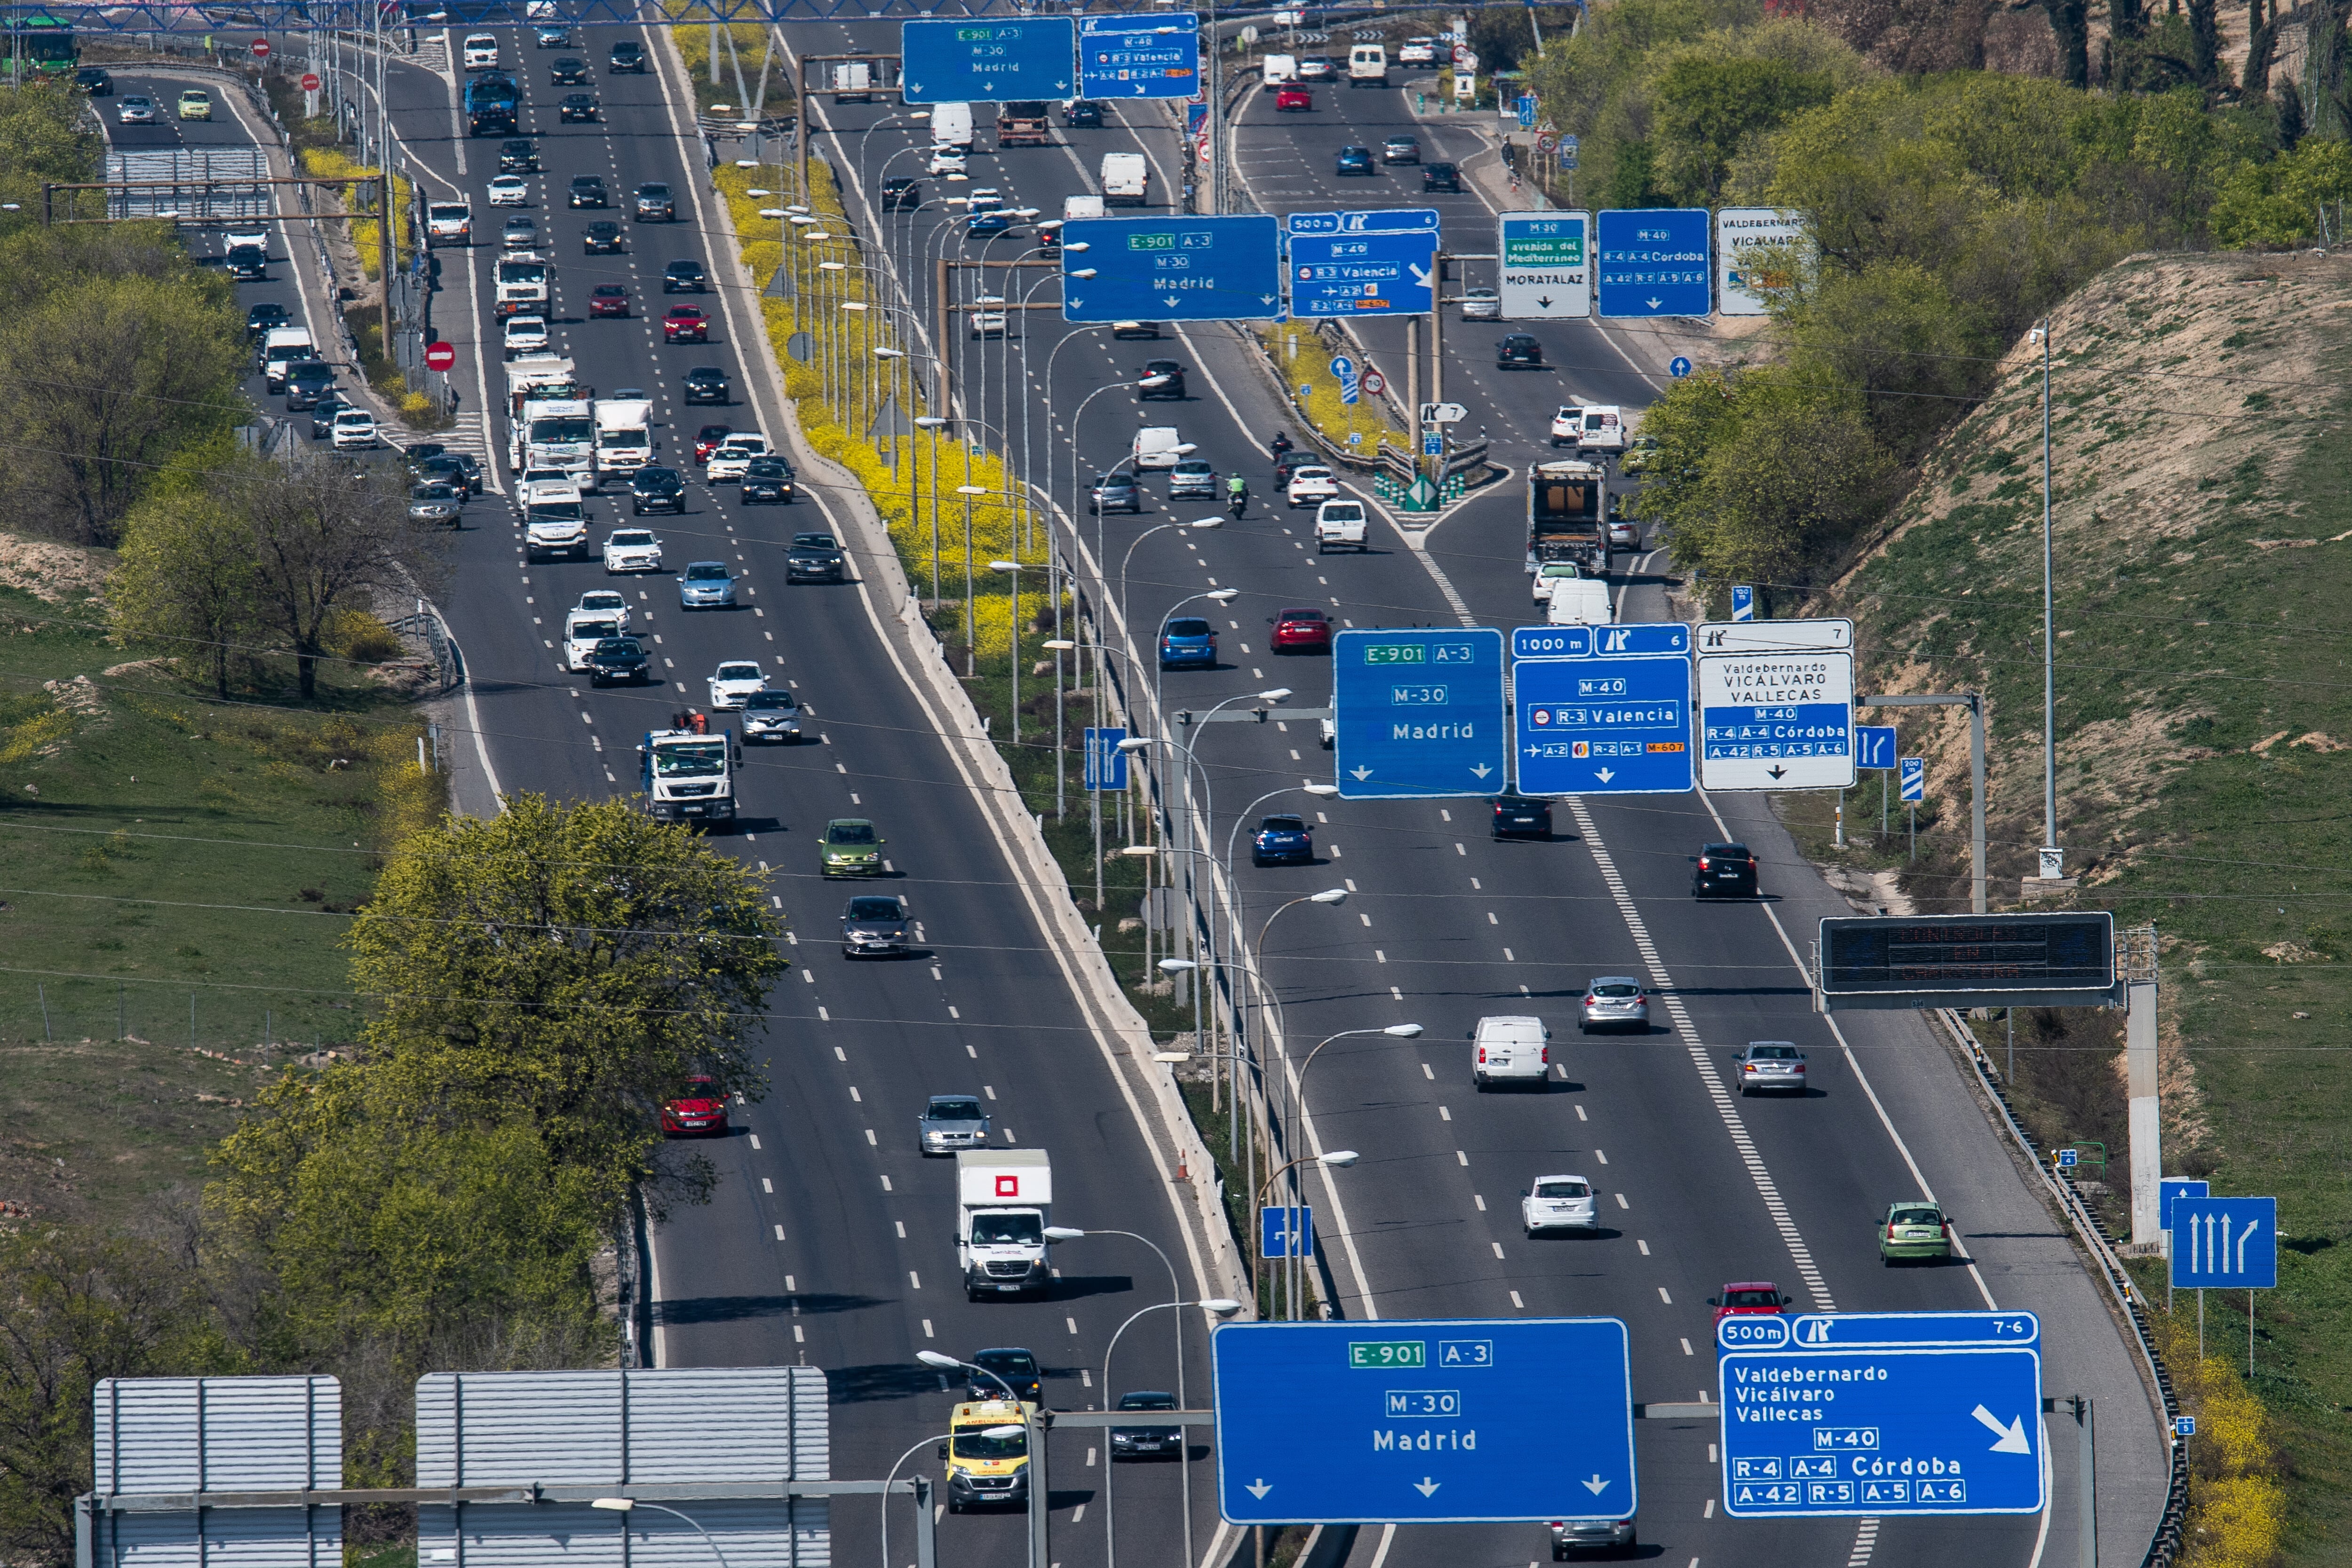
[(1283, 841), (1188, 641), (707, 585), (991, 222), (1355, 160)]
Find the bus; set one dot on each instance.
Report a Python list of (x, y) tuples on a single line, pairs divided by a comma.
[(40, 44)]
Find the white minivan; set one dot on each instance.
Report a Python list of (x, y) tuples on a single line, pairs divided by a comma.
[(1157, 446), (1368, 65), (1579, 601), (1509, 1049)]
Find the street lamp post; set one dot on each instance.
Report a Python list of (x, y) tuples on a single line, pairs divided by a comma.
[(1338, 1159), (1297, 1114), (1011, 569), (938, 1438), (623, 1505)]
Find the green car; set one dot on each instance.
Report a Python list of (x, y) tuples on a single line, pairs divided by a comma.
[(1914, 1229), (850, 848)]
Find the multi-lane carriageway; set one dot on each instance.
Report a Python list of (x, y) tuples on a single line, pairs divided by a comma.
[(829, 1239)]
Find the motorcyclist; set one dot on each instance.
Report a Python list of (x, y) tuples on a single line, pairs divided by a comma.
[(1281, 445), (1237, 495)]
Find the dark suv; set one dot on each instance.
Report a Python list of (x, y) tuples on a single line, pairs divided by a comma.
[(628, 57), (814, 557), (1722, 870), (707, 384), (682, 276), (618, 659), (307, 380), (1518, 352), (655, 489), (1160, 379), (1084, 113), (1521, 817)]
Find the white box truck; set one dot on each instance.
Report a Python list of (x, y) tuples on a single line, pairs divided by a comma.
[(1004, 1198), (1126, 180), (625, 437), (1275, 69), (853, 82)]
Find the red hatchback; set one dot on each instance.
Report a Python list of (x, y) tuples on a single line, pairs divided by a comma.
[(707, 439), (1301, 631), (1747, 1297), (608, 299), (685, 324), (1292, 97), (699, 1111)]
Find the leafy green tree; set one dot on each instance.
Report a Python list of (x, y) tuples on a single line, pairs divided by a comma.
[(1893, 334), (1705, 108), (186, 580), (2278, 203), (44, 137)]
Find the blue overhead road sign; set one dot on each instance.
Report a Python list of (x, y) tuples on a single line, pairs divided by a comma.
[(1362, 264), (1602, 710), (2225, 1242), (1418, 713), (1871, 1414), (1874, 746), (1654, 261), (1155, 54), (1420, 1421), (988, 59), (1172, 269)]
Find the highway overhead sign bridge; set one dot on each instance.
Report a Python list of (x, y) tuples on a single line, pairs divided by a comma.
[(1418, 713)]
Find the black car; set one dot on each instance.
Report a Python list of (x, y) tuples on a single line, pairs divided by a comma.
[(248, 263), (1518, 352), (94, 81), (1013, 1368), (708, 383), (901, 194), (1356, 161), (655, 489), (1441, 177), (600, 239), (1160, 379), (307, 381), (1146, 1442), (518, 157), (628, 57), (576, 106), (569, 70), (618, 659), (1521, 817), (1083, 112), (454, 469), (322, 414), (766, 479), (653, 200), (266, 316), (588, 190), (682, 276), (816, 558), (1722, 870)]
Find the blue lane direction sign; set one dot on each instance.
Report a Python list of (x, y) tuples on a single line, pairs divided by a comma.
[(1602, 710), (2228, 1243), (2184, 1426), (1874, 746), (2172, 1187), (1156, 54), (1278, 1224), (1743, 601), (988, 59), (1418, 713), (1105, 763), (1362, 264), (1175, 269), (1845, 1413), (1911, 777), (1654, 261), (1419, 1421)]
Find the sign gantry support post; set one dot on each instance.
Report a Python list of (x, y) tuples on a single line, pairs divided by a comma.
[(2137, 960), (1974, 703)]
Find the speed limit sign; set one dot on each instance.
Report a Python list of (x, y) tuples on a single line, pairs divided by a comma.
[(1375, 383)]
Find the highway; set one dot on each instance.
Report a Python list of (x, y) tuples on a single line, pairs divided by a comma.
[(830, 1240)]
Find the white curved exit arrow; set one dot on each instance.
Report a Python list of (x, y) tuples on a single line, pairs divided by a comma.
[(2012, 1437)]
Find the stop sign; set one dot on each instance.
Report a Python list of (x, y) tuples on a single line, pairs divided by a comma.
[(310, 81), (260, 48), (440, 356)]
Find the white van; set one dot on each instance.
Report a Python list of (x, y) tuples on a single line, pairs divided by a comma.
[(281, 348), (1582, 601), (951, 125), (1509, 1049), (1340, 524), (1126, 180), (1604, 429), (853, 82), (1368, 65), (1081, 208), (1275, 69), (1156, 446)]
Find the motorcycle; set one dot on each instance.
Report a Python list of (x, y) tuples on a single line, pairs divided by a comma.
[(1237, 502)]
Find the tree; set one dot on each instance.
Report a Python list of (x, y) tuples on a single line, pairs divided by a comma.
[(571, 966), (186, 580), (325, 538), (1705, 108)]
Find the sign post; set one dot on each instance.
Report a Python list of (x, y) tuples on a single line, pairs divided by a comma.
[(1546, 267), (1914, 772), (1418, 713)]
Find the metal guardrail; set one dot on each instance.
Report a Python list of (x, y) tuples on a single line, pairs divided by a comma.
[(2165, 1545)]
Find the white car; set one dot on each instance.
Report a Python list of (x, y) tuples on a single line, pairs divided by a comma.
[(1550, 574), (734, 454), (1509, 1049), (1558, 1203), (1481, 305), (481, 51), (1567, 425), (734, 681), (526, 335), (988, 322), (355, 430), (1311, 487), (1418, 52), (948, 160), (509, 191), (607, 601), (583, 630), (632, 549)]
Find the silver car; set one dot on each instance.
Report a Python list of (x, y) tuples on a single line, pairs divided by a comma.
[(1771, 1064), (1615, 1002), (873, 922), (438, 504), (771, 716), (1590, 1535), (1481, 305), (1191, 478), (951, 1122)]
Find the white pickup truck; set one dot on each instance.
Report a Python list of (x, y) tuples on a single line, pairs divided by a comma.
[(1340, 524), (449, 223)]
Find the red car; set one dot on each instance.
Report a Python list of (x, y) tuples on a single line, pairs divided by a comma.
[(707, 439), (1746, 1298), (700, 1110), (1292, 97), (685, 324), (608, 299), (1301, 631)]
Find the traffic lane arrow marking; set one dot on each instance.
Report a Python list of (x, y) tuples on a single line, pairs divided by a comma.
[(1258, 1488), (2012, 1437), (1426, 1486)]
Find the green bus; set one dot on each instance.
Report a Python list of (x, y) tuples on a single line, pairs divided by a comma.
[(40, 44)]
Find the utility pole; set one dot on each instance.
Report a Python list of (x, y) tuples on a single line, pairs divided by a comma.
[(1974, 703), (2054, 859)]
